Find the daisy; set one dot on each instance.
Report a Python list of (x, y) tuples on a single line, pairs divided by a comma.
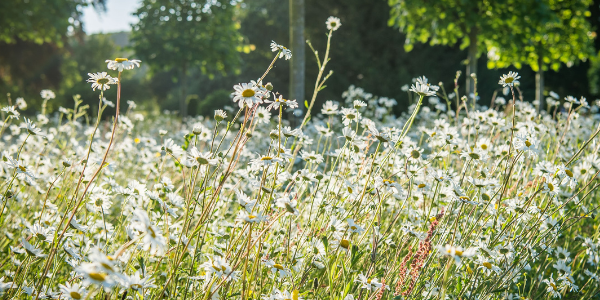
[(369, 284), (19, 166), (93, 274), (220, 115), (262, 115), (326, 132), (527, 144), (138, 283), (475, 154), (279, 100), (153, 240), (354, 227), (265, 160), (31, 250), (551, 287), (122, 64), (101, 80), (422, 89), (47, 94), (9, 285), (72, 291), (349, 115), (458, 253), (288, 204), (330, 108), (551, 185), (252, 217), (41, 233), (285, 52), (277, 269), (11, 111), (31, 128), (247, 94), (341, 244), (562, 254), (333, 23), (78, 226), (20, 103), (509, 79), (198, 158), (487, 267), (311, 156)]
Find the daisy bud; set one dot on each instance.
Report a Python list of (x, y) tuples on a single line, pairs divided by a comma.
[(220, 115), (197, 130), (269, 86)]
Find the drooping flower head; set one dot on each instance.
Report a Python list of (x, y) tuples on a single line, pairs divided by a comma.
[(122, 64)]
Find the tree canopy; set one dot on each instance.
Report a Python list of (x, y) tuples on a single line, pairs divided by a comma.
[(188, 34)]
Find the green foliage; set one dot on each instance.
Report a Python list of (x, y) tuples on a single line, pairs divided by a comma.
[(188, 34), (44, 21), (557, 31), (444, 22), (26, 68)]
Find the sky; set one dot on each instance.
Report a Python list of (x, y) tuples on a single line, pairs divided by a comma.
[(116, 18)]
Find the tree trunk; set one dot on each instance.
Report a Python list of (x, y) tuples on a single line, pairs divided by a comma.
[(472, 65), (182, 100), (539, 85), (297, 45)]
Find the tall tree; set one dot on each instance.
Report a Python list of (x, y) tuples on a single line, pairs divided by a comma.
[(543, 34), (446, 22), (188, 34), (298, 46)]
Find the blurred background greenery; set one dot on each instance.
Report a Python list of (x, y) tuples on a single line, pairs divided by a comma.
[(196, 50)]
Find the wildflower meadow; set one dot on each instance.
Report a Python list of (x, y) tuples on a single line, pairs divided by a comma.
[(450, 200)]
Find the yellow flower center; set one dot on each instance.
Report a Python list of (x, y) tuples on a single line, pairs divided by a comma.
[(569, 172), (102, 81), (98, 276), (75, 295), (345, 243), (120, 60), (248, 93), (107, 266), (266, 158), (551, 186), (487, 265), (484, 146), (509, 79), (527, 143), (422, 185), (22, 168), (152, 232), (415, 154), (278, 266), (136, 140)]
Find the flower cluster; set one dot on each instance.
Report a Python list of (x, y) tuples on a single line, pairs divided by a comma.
[(439, 202)]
